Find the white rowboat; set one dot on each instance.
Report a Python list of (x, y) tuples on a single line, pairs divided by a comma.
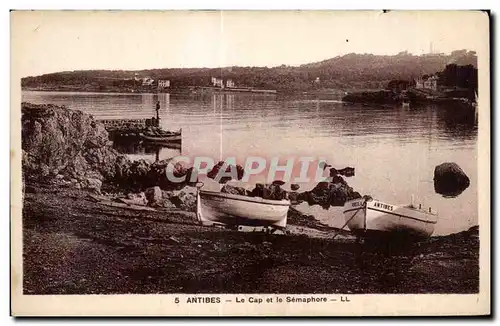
[(363, 216), (236, 210)]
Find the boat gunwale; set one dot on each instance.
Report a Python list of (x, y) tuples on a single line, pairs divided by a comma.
[(404, 216), (392, 213), (395, 205), (255, 200)]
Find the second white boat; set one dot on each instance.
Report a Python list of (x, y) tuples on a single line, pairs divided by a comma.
[(364, 216)]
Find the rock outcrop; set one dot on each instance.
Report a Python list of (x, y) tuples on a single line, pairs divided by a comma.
[(72, 149), (271, 191), (70, 143), (450, 180), (379, 97), (229, 189), (236, 172), (326, 194), (141, 174), (184, 198)]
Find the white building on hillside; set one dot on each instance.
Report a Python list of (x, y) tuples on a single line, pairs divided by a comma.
[(217, 82), (163, 83), (427, 83)]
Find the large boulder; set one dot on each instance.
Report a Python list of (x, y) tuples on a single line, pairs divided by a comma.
[(56, 140), (59, 141), (271, 191), (450, 180), (326, 194), (319, 195), (293, 196), (237, 171), (141, 174)]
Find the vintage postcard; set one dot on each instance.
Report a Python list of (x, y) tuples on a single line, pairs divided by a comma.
[(250, 163)]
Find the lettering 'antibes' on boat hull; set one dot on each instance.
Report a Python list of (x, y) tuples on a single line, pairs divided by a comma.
[(229, 209), (373, 215)]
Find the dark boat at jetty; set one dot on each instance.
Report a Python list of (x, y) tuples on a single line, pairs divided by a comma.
[(141, 130), (161, 136)]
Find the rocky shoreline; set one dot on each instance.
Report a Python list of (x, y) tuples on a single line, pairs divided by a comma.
[(96, 222)]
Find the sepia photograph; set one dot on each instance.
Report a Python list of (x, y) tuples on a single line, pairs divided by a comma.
[(276, 163)]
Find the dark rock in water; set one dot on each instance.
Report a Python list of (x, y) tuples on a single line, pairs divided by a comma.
[(346, 172), (319, 195), (367, 197), (327, 194), (295, 187), (450, 180), (293, 196), (236, 171), (324, 165), (338, 179), (269, 191), (356, 195), (276, 192)]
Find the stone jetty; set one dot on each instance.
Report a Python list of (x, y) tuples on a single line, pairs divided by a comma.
[(139, 129)]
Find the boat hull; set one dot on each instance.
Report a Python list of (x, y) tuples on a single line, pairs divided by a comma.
[(229, 209), (162, 139), (375, 217)]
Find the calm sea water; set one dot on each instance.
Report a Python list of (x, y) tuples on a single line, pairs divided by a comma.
[(394, 150)]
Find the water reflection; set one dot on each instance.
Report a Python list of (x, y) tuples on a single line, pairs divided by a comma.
[(136, 148), (438, 122), (457, 122), (150, 152)]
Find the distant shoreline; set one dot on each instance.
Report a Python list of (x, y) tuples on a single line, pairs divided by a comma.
[(183, 90), (186, 90)]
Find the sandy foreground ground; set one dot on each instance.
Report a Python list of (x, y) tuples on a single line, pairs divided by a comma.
[(75, 245)]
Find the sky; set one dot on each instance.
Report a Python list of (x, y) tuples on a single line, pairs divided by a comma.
[(52, 41)]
